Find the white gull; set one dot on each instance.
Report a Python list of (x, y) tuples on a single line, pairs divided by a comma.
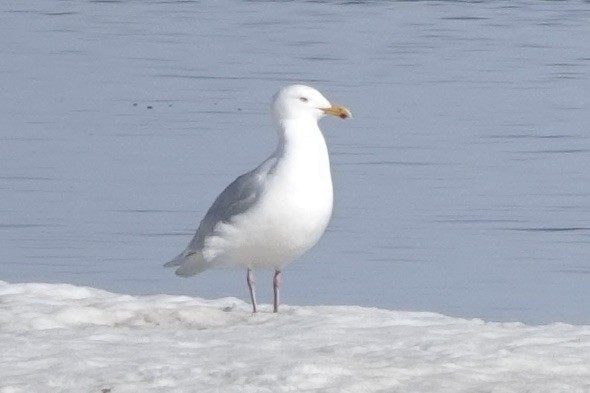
[(273, 214)]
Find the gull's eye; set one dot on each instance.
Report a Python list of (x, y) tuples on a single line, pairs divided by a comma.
[(303, 99)]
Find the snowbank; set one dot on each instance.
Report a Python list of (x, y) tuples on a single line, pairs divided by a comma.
[(63, 338)]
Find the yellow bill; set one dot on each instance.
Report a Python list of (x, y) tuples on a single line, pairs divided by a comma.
[(337, 110)]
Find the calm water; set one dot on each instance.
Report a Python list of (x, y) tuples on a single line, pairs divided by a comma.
[(462, 183)]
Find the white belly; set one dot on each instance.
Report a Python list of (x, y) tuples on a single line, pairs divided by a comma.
[(289, 219)]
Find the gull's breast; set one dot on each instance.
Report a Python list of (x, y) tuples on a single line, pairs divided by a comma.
[(289, 218)]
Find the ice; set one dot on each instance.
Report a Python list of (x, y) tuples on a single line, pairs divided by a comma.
[(65, 338)]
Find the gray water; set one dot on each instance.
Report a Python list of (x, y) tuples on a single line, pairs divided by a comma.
[(462, 184)]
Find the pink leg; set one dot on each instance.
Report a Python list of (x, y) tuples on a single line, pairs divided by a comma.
[(250, 281), (275, 286)]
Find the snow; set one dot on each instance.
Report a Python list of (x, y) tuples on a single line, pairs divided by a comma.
[(65, 338)]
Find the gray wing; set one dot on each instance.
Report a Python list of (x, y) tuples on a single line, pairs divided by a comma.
[(238, 197)]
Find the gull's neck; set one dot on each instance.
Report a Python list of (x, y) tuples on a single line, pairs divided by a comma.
[(302, 151), (303, 135)]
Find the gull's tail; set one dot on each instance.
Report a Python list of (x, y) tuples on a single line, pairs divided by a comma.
[(189, 263)]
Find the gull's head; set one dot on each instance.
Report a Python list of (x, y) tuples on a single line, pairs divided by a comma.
[(303, 102)]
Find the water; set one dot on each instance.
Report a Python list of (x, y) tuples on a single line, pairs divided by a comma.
[(462, 183)]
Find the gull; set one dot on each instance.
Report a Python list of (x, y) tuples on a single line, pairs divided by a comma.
[(272, 215)]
